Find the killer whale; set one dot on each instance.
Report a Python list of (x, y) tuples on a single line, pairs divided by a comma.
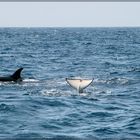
[(79, 84), (15, 77)]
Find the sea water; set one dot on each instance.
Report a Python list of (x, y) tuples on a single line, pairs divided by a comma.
[(45, 106)]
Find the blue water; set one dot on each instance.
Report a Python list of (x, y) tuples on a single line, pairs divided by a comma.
[(45, 106)]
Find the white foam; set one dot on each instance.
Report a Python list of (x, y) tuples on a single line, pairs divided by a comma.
[(123, 80), (30, 80), (54, 93), (99, 81)]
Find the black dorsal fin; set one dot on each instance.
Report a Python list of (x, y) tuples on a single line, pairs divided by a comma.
[(16, 75)]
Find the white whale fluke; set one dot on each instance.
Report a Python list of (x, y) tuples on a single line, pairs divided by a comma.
[(79, 84)]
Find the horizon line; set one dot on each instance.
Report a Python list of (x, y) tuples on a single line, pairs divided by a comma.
[(70, 26)]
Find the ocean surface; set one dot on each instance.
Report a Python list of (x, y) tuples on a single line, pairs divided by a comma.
[(45, 106)]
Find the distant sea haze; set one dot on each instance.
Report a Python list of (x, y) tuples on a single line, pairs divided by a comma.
[(45, 106)]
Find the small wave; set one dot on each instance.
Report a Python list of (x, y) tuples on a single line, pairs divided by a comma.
[(57, 93), (97, 91), (25, 81), (84, 94), (6, 108), (87, 43), (134, 70), (135, 120), (120, 81), (1, 83), (114, 80), (99, 114), (26, 135), (54, 93), (51, 102), (6, 83), (30, 80), (60, 137), (105, 131), (99, 81), (133, 126)]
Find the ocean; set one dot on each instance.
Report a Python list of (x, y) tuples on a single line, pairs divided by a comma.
[(45, 106)]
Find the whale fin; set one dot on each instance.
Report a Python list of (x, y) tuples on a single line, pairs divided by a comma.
[(79, 84), (16, 76)]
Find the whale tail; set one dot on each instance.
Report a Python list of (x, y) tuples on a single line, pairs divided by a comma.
[(16, 76), (79, 84)]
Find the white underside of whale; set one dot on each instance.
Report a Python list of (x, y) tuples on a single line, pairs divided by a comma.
[(79, 84)]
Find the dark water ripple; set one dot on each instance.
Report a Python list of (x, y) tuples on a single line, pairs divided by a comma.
[(44, 106)]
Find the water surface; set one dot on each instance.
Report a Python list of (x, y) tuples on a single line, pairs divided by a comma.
[(45, 106)]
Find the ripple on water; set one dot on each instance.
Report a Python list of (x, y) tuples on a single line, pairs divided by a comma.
[(7, 108)]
